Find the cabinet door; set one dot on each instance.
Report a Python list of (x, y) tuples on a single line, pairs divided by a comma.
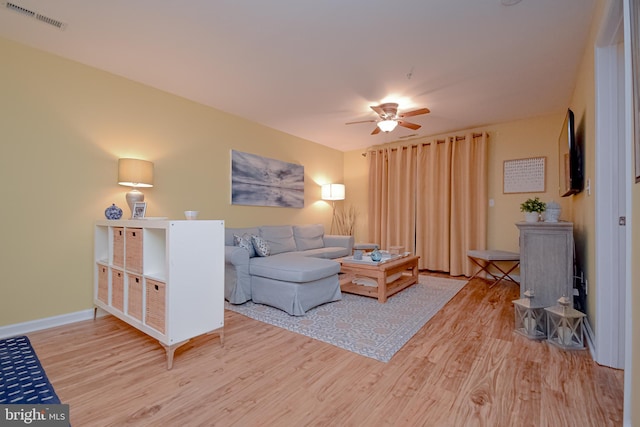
[(133, 250), (155, 315), (117, 289), (103, 283), (546, 264)]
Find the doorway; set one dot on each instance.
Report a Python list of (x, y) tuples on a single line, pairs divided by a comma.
[(612, 192)]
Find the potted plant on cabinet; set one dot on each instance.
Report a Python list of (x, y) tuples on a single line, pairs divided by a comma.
[(532, 209)]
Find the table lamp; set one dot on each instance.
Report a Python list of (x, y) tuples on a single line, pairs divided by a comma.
[(135, 173)]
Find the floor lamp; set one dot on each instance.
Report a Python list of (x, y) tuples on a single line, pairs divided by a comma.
[(333, 192)]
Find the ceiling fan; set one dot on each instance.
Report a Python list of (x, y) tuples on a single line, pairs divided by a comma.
[(389, 118)]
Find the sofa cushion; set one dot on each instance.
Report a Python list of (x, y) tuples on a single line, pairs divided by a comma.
[(245, 242), (328, 253), (260, 246), (279, 238), (308, 236), (293, 268), (229, 232)]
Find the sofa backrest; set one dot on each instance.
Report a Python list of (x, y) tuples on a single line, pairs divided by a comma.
[(279, 238), (308, 236)]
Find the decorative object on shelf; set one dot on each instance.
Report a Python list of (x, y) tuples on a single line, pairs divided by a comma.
[(565, 327), (139, 210), (137, 174), (333, 192), (113, 212), (532, 209), (376, 255), (357, 254), (530, 317), (552, 212), (191, 215)]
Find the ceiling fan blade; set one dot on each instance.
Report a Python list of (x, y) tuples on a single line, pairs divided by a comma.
[(415, 112), (361, 121), (408, 125), (378, 109), (375, 131)]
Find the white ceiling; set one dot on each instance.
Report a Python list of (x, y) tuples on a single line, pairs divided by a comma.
[(306, 67)]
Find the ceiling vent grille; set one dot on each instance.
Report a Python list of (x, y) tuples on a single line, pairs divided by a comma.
[(35, 15)]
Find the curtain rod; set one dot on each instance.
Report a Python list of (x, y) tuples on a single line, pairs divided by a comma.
[(438, 141)]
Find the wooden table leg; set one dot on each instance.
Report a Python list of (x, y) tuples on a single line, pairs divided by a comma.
[(382, 288)]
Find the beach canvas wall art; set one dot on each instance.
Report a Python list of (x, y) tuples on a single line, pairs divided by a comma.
[(260, 181)]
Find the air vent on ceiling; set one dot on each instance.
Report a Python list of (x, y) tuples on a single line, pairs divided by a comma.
[(35, 15)]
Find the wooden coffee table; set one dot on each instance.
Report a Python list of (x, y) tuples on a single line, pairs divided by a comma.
[(407, 266)]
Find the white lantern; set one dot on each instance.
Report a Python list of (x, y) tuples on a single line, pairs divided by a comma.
[(530, 317), (565, 326)]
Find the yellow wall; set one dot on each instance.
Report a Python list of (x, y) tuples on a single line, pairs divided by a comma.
[(514, 140), (583, 204), (64, 126)]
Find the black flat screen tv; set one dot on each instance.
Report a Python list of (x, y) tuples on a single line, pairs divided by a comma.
[(570, 158)]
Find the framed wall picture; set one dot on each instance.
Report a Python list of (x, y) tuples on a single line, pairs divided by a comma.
[(260, 181), (524, 175), (139, 210)]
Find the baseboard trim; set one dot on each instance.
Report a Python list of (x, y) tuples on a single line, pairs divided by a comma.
[(46, 323)]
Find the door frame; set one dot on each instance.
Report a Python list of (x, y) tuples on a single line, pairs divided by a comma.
[(612, 171)]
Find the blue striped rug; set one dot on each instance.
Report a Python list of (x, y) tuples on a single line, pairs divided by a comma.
[(22, 378)]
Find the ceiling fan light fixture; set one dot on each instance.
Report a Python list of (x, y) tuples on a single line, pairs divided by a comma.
[(387, 125)]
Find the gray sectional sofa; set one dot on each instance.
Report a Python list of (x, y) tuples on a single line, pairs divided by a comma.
[(298, 273)]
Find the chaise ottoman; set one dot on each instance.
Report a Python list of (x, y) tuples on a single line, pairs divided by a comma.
[(294, 283)]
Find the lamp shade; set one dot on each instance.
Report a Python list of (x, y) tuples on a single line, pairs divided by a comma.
[(333, 192), (135, 173), (387, 125)]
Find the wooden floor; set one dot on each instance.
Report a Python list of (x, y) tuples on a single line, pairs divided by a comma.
[(465, 367)]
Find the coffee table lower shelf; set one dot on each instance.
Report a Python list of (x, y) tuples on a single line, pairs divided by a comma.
[(408, 266)]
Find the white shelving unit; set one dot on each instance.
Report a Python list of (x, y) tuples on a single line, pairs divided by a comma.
[(165, 278)]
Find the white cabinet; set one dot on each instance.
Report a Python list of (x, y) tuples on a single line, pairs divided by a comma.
[(546, 260), (165, 278)]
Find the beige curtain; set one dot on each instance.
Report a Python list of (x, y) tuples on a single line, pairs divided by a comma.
[(469, 200), (433, 213), (431, 199), (392, 204)]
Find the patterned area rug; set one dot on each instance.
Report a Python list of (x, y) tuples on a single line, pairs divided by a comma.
[(361, 324)]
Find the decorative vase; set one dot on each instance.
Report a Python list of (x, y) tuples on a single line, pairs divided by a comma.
[(376, 255), (113, 212), (531, 216), (552, 213)]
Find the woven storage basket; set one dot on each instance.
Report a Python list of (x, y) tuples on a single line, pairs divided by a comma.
[(117, 289), (103, 283), (156, 298), (118, 246), (134, 250), (134, 301)]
